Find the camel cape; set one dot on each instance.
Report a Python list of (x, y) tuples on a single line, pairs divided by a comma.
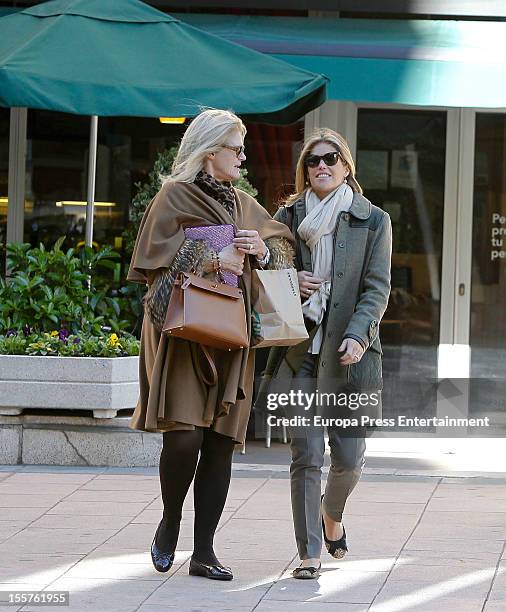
[(172, 394)]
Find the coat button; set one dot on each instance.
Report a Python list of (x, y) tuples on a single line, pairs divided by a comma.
[(341, 245), (323, 364), (341, 274), (346, 216)]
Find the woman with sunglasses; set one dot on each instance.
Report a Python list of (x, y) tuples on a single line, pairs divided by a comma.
[(201, 421), (343, 252)]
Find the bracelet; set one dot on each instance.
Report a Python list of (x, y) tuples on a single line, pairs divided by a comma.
[(216, 262), (219, 271), (265, 259), (217, 265)]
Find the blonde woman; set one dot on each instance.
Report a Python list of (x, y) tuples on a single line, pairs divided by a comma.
[(343, 252), (200, 423)]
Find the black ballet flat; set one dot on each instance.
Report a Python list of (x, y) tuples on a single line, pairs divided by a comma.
[(336, 548), (307, 573), (214, 572), (162, 561)]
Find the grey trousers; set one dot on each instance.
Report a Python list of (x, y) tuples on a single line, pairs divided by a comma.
[(308, 451)]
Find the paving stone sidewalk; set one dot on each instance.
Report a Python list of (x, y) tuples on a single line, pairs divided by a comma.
[(416, 542)]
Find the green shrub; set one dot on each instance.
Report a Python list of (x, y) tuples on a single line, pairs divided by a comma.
[(52, 289), (13, 344)]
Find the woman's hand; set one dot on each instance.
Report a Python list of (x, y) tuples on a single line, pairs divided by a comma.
[(250, 243), (231, 260), (308, 283), (353, 351)]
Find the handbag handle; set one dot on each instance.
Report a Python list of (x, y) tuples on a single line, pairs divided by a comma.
[(212, 366)]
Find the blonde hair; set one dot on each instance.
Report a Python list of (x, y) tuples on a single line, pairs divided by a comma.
[(334, 139), (205, 134)]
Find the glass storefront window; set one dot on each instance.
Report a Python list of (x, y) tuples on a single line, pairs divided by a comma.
[(4, 175), (272, 153), (488, 289), (56, 173), (127, 150), (401, 166)]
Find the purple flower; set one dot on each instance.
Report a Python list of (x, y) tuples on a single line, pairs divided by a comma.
[(76, 340), (11, 332), (63, 335), (27, 330)]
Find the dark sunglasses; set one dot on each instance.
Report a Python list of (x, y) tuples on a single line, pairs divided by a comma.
[(330, 159), (239, 149)]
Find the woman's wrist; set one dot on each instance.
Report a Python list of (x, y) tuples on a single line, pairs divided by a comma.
[(263, 261), (261, 255), (357, 339)]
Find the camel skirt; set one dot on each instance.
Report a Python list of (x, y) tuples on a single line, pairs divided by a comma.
[(173, 395)]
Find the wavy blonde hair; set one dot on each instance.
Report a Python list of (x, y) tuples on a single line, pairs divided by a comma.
[(334, 139), (205, 134)]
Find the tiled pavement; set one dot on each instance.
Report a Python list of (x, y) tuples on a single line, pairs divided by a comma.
[(417, 542)]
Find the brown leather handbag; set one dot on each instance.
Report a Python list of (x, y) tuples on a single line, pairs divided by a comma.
[(207, 312)]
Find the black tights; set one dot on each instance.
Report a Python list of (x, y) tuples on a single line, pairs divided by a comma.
[(178, 462)]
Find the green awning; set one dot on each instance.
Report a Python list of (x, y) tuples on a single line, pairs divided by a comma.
[(423, 62), (8, 10), (126, 58)]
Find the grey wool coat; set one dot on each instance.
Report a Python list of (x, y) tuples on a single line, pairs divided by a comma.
[(359, 294)]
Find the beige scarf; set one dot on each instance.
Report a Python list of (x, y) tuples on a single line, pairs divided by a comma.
[(317, 231)]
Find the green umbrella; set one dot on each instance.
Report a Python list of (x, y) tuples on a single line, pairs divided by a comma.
[(97, 57)]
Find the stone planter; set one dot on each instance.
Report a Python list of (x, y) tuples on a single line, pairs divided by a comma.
[(101, 384)]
